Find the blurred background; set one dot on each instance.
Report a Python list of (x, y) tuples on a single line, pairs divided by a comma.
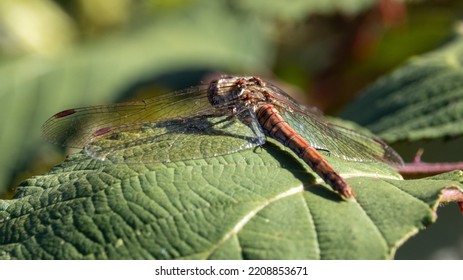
[(60, 54)]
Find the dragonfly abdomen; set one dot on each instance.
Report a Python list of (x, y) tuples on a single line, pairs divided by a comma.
[(276, 127)]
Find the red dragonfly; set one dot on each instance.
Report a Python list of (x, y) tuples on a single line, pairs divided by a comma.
[(226, 116)]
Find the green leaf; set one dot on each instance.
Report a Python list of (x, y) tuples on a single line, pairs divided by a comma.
[(255, 204), (421, 100)]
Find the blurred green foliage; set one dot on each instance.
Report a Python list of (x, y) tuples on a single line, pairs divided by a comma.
[(61, 54)]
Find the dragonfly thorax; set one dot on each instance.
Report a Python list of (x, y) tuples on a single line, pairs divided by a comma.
[(236, 92)]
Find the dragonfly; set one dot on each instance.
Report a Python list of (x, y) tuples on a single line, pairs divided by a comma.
[(227, 115)]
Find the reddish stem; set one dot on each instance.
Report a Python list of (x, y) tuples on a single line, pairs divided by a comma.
[(421, 169)]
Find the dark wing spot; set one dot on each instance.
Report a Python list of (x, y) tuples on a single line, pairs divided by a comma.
[(101, 131), (64, 113)]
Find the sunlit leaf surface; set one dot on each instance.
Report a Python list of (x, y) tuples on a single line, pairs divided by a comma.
[(255, 204)]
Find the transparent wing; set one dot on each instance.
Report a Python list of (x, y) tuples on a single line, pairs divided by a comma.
[(76, 127), (175, 140), (339, 141)]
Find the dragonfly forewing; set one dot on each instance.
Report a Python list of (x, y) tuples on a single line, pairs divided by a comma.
[(76, 127)]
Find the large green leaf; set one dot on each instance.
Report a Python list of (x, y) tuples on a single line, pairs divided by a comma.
[(255, 204), (421, 100)]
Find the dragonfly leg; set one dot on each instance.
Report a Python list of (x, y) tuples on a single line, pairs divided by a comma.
[(249, 118), (255, 136)]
